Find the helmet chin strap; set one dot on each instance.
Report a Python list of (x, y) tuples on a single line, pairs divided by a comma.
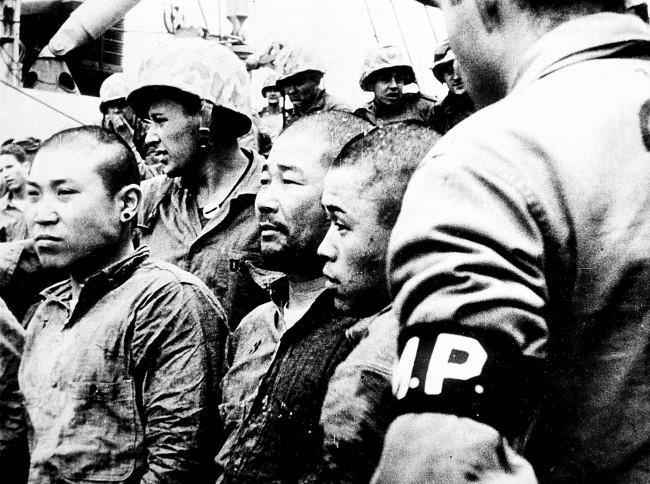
[(205, 140)]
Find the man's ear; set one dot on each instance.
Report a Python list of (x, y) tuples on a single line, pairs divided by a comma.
[(130, 197), (491, 12)]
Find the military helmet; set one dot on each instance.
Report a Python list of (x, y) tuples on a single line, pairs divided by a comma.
[(270, 83), (442, 57), (292, 61), (200, 68), (385, 58), (112, 89)]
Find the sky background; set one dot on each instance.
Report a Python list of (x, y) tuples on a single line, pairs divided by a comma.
[(340, 32)]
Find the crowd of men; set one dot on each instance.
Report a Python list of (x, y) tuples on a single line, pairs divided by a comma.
[(410, 292)]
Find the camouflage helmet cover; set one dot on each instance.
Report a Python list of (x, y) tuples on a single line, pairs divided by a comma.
[(442, 57), (291, 61), (270, 83), (383, 58), (200, 68), (112, 89)]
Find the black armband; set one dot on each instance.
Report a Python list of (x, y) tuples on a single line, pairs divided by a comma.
[(468, 372)]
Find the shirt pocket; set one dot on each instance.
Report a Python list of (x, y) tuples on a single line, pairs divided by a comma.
[(233, 284), (100, 441)]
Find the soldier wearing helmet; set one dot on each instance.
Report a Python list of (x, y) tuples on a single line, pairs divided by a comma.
[(200, 214), (385, 73), (271, 118), (112, 100), (299, 77), (457, 105)]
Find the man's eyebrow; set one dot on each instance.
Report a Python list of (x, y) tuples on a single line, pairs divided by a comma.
[(285, 167), (330, 207)]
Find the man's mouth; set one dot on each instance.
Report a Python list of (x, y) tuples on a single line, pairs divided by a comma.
[(44, 241), (269, 228), (330, 281)]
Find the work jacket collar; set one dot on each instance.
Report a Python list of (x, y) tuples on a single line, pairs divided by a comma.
[(588, 37)]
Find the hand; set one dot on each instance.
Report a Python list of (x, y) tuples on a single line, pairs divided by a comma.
[(439, 448)]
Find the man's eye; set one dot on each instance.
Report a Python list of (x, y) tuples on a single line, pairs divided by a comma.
[(340, 226), (265, 181), (32, 195), (290, 181), (64, 192)]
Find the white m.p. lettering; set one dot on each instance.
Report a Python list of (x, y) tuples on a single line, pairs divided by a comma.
[(442, 368)]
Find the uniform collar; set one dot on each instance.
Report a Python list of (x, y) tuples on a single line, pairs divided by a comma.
[(249, 183), (587, 37), (98, 284)]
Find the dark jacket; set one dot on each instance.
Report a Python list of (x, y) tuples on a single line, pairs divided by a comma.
[(358, 405), (280, 439), (452, 110)]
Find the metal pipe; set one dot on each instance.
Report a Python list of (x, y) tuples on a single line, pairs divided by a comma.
[(87, 22)]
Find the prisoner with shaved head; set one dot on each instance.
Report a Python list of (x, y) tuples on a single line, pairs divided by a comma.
[(121, 364), (285, 351), (362, 196)]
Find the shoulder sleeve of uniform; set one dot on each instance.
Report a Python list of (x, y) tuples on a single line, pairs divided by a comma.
[(153, 190), (467, 232)]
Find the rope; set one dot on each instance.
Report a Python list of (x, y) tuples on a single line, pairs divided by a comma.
[(401, 31), (372, 22), (433, 30), (205, 19), (42, 102)]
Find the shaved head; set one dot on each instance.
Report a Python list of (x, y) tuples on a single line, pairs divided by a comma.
[(116, 163)]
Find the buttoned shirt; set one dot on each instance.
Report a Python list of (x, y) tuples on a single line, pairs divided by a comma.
[(274, 389), (217, 252), (122, 386)]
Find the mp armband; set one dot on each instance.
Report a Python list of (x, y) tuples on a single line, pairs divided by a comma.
[(482, 375)]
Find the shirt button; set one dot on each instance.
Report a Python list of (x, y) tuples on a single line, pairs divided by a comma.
[(55, 384)]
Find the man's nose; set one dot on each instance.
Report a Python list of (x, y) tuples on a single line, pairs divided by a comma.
[(42, 214), (151, 136), (326, 248), (266, 201)]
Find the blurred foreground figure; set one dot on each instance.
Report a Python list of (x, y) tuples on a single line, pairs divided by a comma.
[(121, 364), (457, 105), (362, 196), (520, 260), (200, 215), (386, 71), (300, 77)]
